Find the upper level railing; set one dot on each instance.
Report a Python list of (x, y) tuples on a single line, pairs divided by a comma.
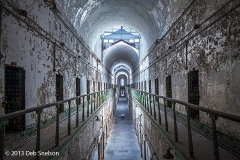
[(151, 101), (87, 103)]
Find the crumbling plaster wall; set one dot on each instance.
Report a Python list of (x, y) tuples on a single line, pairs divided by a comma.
[(147, 133), (213, 50), (85, 145), (43, 45)]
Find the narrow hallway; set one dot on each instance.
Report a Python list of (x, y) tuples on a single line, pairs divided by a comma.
[(122, 143)]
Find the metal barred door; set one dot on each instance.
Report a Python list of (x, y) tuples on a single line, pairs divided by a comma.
[(77, 87), (88, 88), (156, 86), (193, 91), (15, 96), (59, 91), (145, 86), (150, 86), (169, 90), (98, 86), (94, 90)]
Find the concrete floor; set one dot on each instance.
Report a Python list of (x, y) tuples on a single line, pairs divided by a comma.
[(122, 143)]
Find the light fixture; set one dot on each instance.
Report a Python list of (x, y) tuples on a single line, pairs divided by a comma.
[(97, 119), (168, 155), (62, 44), (52, 5), (196, 26), (157, 41), (22, 12)]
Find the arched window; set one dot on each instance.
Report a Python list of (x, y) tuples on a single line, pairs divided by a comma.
[(122, 82)]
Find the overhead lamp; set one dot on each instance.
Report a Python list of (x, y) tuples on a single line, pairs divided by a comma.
[(196, 26), (50, 3), (97, 119), (62, 44), (157, 41), (22, 12), (168, 155)]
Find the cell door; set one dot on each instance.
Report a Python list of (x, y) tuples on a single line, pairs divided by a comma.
[(156, 86), (78, 87), (150, 86), (193, 92), (145, 88), (88, 89), (15, 96), (169, 90), (94, 90), (88, 86), (98, 86), (59, 91)]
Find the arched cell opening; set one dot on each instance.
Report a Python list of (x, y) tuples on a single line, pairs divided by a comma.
[(121, 53), (122, 82), (124, 76), (121, 68)]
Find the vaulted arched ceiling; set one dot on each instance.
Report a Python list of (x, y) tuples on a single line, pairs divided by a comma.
[(148, 17), (122, 70), (121, 53)]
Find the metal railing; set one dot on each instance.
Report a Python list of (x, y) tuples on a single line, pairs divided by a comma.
[(151, 101), (88, 104)]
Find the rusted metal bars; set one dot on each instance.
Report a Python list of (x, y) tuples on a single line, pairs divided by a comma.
[(78, 102), (214, 135), (38, 134), (165, 114), (146, 97), (83, 108), (2, 137), (57, 126), (190, 142), (69, 117), (175, 121)]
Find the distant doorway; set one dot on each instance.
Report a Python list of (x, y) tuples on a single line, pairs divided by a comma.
[(88, 86), (145, 86), (193, 92), (77, 87), (59, 91), (156, 86), (169, 90), (15, 96), (150, 86)]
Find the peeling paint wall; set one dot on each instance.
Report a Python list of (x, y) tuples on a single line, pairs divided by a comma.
[(148, 134), (212, 48), (84, 147), (43, 44)]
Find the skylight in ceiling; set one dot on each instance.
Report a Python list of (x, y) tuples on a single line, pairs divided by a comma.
[(115, 29)]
